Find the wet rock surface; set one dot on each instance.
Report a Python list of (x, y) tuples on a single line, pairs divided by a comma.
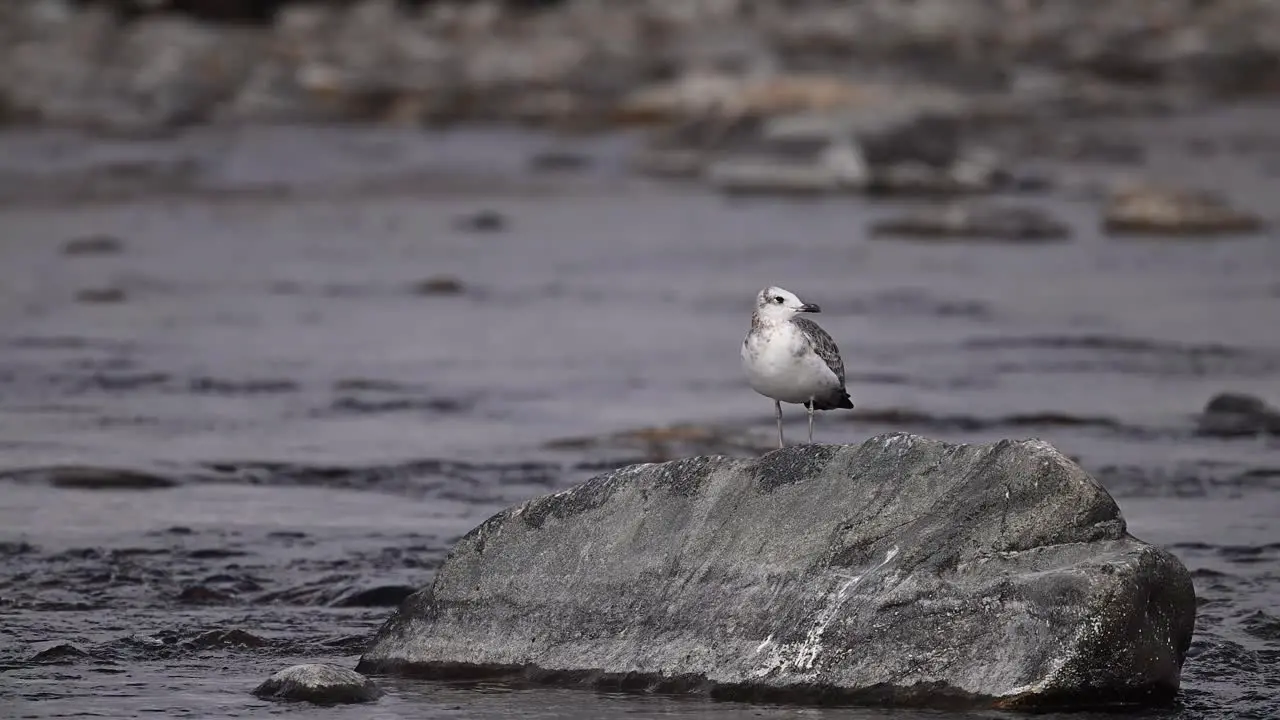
[(857, 583), (319, 684)]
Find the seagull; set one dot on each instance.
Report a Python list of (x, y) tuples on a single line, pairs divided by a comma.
[(790, 359)]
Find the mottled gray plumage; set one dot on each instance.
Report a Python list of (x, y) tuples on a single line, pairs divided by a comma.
[(822, 345)]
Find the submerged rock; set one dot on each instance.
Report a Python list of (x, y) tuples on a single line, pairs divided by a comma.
[(1164, 211), (234, 637), (102, 296), (481, 221), (59, 653), (378, 596), (902, 570), (1236, 414), (320, 684), (439, 285), (962, 221), (203, 595), (86, 477), (559, 161), (93, 245)]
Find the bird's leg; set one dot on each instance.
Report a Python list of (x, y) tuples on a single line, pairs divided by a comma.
[(777, 411), (810, 408)]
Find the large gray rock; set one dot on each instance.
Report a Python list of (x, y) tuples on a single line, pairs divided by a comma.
[(901, 570)]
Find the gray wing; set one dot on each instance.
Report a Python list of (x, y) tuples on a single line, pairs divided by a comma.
[(822, 344)]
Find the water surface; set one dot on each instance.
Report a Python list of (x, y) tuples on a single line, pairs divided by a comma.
[(293, 429)]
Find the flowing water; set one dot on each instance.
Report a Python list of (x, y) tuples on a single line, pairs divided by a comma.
[(250, 406)]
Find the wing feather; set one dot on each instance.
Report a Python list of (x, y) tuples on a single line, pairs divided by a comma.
[(822, 344)]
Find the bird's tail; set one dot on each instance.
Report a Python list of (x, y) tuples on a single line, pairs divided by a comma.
[(834, 402)]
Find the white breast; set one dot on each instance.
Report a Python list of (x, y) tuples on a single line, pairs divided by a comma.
[(779, 365)]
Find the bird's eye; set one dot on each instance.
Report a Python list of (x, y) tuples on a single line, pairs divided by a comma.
[(777, 299)]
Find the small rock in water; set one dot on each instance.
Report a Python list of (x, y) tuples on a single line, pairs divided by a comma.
[(59, 653), (225, 638), (16, 547), (1237, 414), (203, 595), (101, 296), (1263, 626), (93, 245), (976, 222), (558, 161), (97, 478), (381, 596), (669, 163), (482, 221), (318, 683), (439, 285), (1167, 211)]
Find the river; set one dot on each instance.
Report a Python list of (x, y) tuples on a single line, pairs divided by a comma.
[(283, 370)]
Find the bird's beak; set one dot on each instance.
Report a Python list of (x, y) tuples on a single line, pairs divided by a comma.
[(809, 307)]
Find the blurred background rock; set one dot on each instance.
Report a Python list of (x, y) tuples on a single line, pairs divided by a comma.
[(148, 65), (913, 97)]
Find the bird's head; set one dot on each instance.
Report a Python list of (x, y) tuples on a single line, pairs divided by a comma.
[(777, 304)]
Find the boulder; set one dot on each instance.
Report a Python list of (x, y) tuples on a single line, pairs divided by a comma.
[(320, 684), (1237, 414), (903, 570)]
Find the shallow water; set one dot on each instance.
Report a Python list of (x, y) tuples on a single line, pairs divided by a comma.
[(291, 436)]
